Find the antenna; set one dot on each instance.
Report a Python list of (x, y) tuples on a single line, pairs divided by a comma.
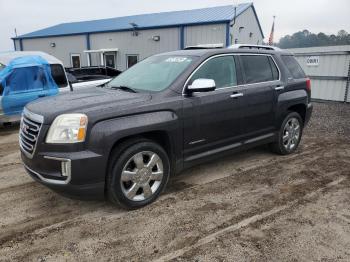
[(16, 32)]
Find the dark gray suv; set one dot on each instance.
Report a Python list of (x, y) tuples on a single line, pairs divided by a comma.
[(169, 112)]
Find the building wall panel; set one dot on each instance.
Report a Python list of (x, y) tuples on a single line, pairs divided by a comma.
[(205, 34), (329, 65), (249, 24), (333, 90), (328, 76), (17, 45), (142, 45), (65, 46)]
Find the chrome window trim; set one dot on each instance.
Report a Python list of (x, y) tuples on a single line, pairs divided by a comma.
[(233, 54)]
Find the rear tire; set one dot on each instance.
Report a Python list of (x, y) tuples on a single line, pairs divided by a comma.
[(139, 171), (289, 135)]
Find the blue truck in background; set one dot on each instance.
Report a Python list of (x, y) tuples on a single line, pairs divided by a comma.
[(27, 76)]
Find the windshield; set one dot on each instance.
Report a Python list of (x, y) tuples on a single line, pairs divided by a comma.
[(153, 74)]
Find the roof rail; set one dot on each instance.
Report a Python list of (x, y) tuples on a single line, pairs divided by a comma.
[(204, 46), (248, 46)]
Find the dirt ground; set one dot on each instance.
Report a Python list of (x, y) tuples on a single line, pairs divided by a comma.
[(252, 206)]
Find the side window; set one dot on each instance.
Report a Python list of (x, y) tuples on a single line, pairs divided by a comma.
[(293, 67), (26, 79), (275, 73), (221, 69), (257, 68), (59, 75)]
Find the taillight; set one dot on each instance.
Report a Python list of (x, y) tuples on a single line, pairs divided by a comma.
[(308, 84)]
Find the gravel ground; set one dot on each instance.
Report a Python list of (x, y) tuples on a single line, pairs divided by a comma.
[(330, 118), (251, 206)]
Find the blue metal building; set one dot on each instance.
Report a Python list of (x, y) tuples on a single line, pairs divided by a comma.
[(122, 41)]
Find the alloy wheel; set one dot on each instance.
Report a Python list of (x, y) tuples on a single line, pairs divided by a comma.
[(291, 134), (142, 176)]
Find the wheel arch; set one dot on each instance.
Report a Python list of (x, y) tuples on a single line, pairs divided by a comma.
[(160, 137), (300, 109)]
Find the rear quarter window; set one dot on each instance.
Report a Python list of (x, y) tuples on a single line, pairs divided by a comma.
[(59, 75), (257, 68), (293, 66)]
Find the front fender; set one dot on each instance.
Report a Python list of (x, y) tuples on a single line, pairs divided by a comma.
[(105, 134)]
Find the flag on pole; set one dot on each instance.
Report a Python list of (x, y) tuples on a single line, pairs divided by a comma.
[(272, 32)]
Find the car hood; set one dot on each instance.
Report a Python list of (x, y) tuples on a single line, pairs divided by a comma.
[(92, 102)]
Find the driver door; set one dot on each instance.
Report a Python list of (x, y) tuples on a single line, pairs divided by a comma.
[(212, 120)]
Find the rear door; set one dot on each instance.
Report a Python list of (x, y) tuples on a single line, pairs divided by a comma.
[(262, 79)]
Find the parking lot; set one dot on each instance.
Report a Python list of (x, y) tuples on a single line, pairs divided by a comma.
[(251, 206)]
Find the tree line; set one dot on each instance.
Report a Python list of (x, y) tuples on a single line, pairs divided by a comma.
[(307, 39)]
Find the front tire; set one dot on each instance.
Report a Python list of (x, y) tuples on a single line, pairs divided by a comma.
[(289, 135), (139, 172)]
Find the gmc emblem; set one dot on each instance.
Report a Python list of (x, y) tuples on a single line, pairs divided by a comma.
[(25, 128)]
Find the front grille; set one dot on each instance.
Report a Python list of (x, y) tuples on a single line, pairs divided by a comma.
[(29, 132)]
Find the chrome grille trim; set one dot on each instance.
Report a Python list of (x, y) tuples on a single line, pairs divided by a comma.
[(37, 127), (34, 117), (26, 136), (29, 132)]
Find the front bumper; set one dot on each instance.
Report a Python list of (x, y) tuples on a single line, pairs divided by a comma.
[(75, 174)]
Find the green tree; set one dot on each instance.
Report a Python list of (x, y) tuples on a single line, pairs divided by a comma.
[(307, 39)]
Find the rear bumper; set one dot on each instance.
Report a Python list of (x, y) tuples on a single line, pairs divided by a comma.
[(308, 113), (78, 174)]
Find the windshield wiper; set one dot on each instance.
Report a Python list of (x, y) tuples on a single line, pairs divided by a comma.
[(124, 88)]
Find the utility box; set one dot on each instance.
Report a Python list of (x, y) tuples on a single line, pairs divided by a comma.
[(328, 67)]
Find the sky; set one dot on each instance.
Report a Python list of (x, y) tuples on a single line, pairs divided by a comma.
[(291, 16)]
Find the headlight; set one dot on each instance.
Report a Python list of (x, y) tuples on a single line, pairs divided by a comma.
[(68, 128)]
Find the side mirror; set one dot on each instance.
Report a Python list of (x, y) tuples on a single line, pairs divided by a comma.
[(202, 85)]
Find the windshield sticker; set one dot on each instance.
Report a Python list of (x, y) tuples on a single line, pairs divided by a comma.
[(176, 59)]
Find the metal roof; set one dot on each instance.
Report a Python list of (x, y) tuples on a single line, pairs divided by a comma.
[(217, 14)]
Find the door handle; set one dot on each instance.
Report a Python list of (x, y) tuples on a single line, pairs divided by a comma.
[(279, 88), (236, 95)]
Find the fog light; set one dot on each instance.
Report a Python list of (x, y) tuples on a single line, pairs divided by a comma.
[(65, 168)]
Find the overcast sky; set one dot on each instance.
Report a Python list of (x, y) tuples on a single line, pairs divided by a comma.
[(30, 15)]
